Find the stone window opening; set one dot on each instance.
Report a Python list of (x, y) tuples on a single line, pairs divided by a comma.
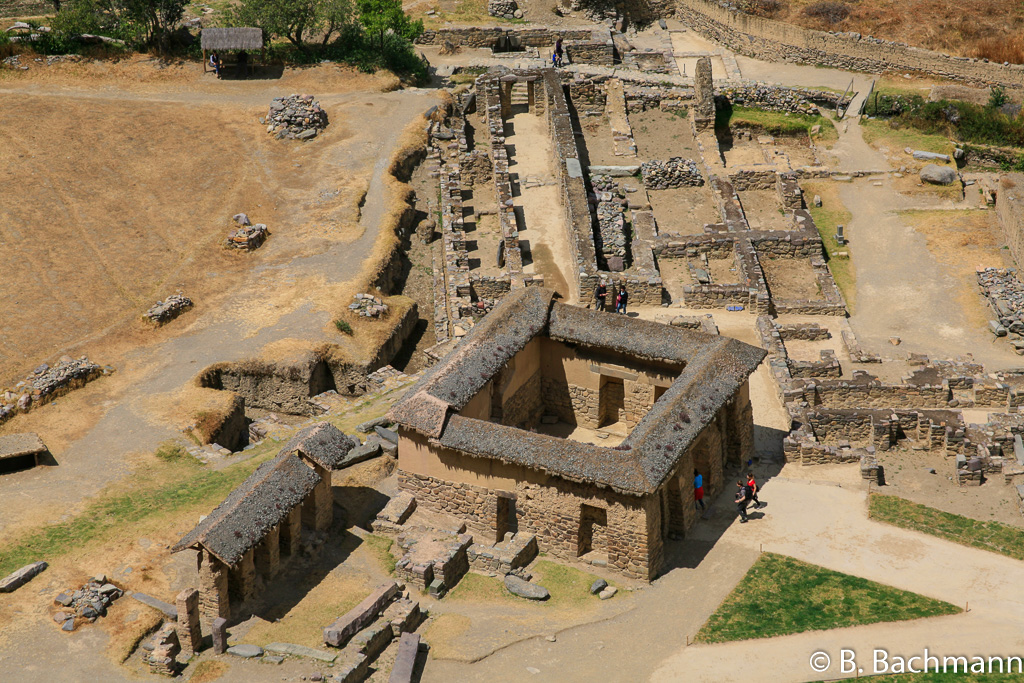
[(593, 527)]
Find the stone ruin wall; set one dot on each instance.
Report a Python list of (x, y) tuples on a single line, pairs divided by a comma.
[(1010, 212), (552, 513), (779, 42)]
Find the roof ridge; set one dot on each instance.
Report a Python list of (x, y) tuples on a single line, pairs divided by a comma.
[(277, 461)]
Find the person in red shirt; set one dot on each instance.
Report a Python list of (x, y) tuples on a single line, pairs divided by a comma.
[(753, 487)]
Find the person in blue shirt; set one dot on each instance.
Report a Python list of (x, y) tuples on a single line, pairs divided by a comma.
[(698, 490)]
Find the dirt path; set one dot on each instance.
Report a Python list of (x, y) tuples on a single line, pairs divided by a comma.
[(531, 159), (274, 305)]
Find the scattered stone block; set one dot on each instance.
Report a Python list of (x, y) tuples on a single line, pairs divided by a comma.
[(245, 651), (387, 434), (16, 580), (608, 592), (339, 633), (525, 589), (219, 628), (405, 659), (167, 310), (598, 586), (168, 610)]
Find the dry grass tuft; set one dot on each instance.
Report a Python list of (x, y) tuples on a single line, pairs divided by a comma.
[(125, 636), (208, 671), (1007, 182)]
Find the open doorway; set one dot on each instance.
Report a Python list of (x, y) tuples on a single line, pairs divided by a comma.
[(612, 400), (506, 516), (593, 526)]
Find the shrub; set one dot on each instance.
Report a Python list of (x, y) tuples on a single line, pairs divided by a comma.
[(828, 11), (762, 8), (343, 326), (997, 97)]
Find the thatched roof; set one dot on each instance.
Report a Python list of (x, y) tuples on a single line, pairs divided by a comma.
[(16, 445), (231, 39), (260, 503), (323, 443), (712, 370)]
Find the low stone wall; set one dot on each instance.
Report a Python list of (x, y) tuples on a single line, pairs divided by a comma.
[(753, 179), (828, 366), (780, 42), (650, 62), (516, 551), (803, 331), (675, 172), (779, 98), (48, 383), (499, 37)]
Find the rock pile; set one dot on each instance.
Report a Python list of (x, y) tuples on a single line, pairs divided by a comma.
[(248, 236), (88, 603), (296, 117), (506, 9), (368, 306), (1005, 293), (168, 309), (611, 221), (46, 383), (676, 172)]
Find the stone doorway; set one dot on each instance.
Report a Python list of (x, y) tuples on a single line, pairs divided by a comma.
[(593, 527), (612, 400), (506, 517)]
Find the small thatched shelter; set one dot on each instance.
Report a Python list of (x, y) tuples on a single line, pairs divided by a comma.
[(230, 39)]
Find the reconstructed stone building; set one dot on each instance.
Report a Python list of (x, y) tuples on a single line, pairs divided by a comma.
[(515, 429), (243, 540)]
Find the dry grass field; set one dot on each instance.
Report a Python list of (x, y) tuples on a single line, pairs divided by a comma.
[(983, 28), (122, 180)]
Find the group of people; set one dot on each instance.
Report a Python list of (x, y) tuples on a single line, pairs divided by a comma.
[(556, 54), (601, 298), (745, 494), (243, 63)]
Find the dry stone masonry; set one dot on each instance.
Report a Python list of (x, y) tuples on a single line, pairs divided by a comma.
[(165, 311), (47, 383), (675, 172), (296, 117), (368, 306), (247, 236)]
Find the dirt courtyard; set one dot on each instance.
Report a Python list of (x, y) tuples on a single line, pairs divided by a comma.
[(124, 178), (102, 180)]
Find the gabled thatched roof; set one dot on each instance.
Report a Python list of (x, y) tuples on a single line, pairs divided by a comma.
[(323, 443), (713, 368), (231, 39), (249, 512)]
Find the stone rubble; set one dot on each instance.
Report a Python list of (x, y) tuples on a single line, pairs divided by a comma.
[(676, 172), (296, 117), (368, 306), (88, 603), (46, 383), (167, 310), (248, 237), (505, 9), (1005, 293)]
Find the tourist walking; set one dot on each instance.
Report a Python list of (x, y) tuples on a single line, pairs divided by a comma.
[(698, 490), (557, 56), (752, 484), (621, 300), (743, 496), (600, 296)]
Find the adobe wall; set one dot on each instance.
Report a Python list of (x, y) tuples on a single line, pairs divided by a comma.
[(549, 507), (780, 42)]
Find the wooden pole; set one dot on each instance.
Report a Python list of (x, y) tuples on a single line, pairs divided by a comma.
[(204, 60)]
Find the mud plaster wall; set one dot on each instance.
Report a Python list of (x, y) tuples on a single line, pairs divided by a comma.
[(777, 41), (549, 507)]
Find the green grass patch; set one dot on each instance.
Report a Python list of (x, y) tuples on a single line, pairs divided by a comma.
[(781, 595), (827, 217), (569, 587), (190, 486), (381, 548), (343, 326), (993, 536), (879, 131), (775, 122)]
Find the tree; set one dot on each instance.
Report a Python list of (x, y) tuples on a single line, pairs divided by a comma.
[(295, 20), (378, 17)]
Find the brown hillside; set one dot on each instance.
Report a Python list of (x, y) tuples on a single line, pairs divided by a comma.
[(992, 29)]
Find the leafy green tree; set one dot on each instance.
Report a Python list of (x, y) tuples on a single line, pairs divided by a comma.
[(378, 17), (296, 20)]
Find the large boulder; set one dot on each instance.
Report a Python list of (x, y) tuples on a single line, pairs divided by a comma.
[(938, 175), (525, 589)]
